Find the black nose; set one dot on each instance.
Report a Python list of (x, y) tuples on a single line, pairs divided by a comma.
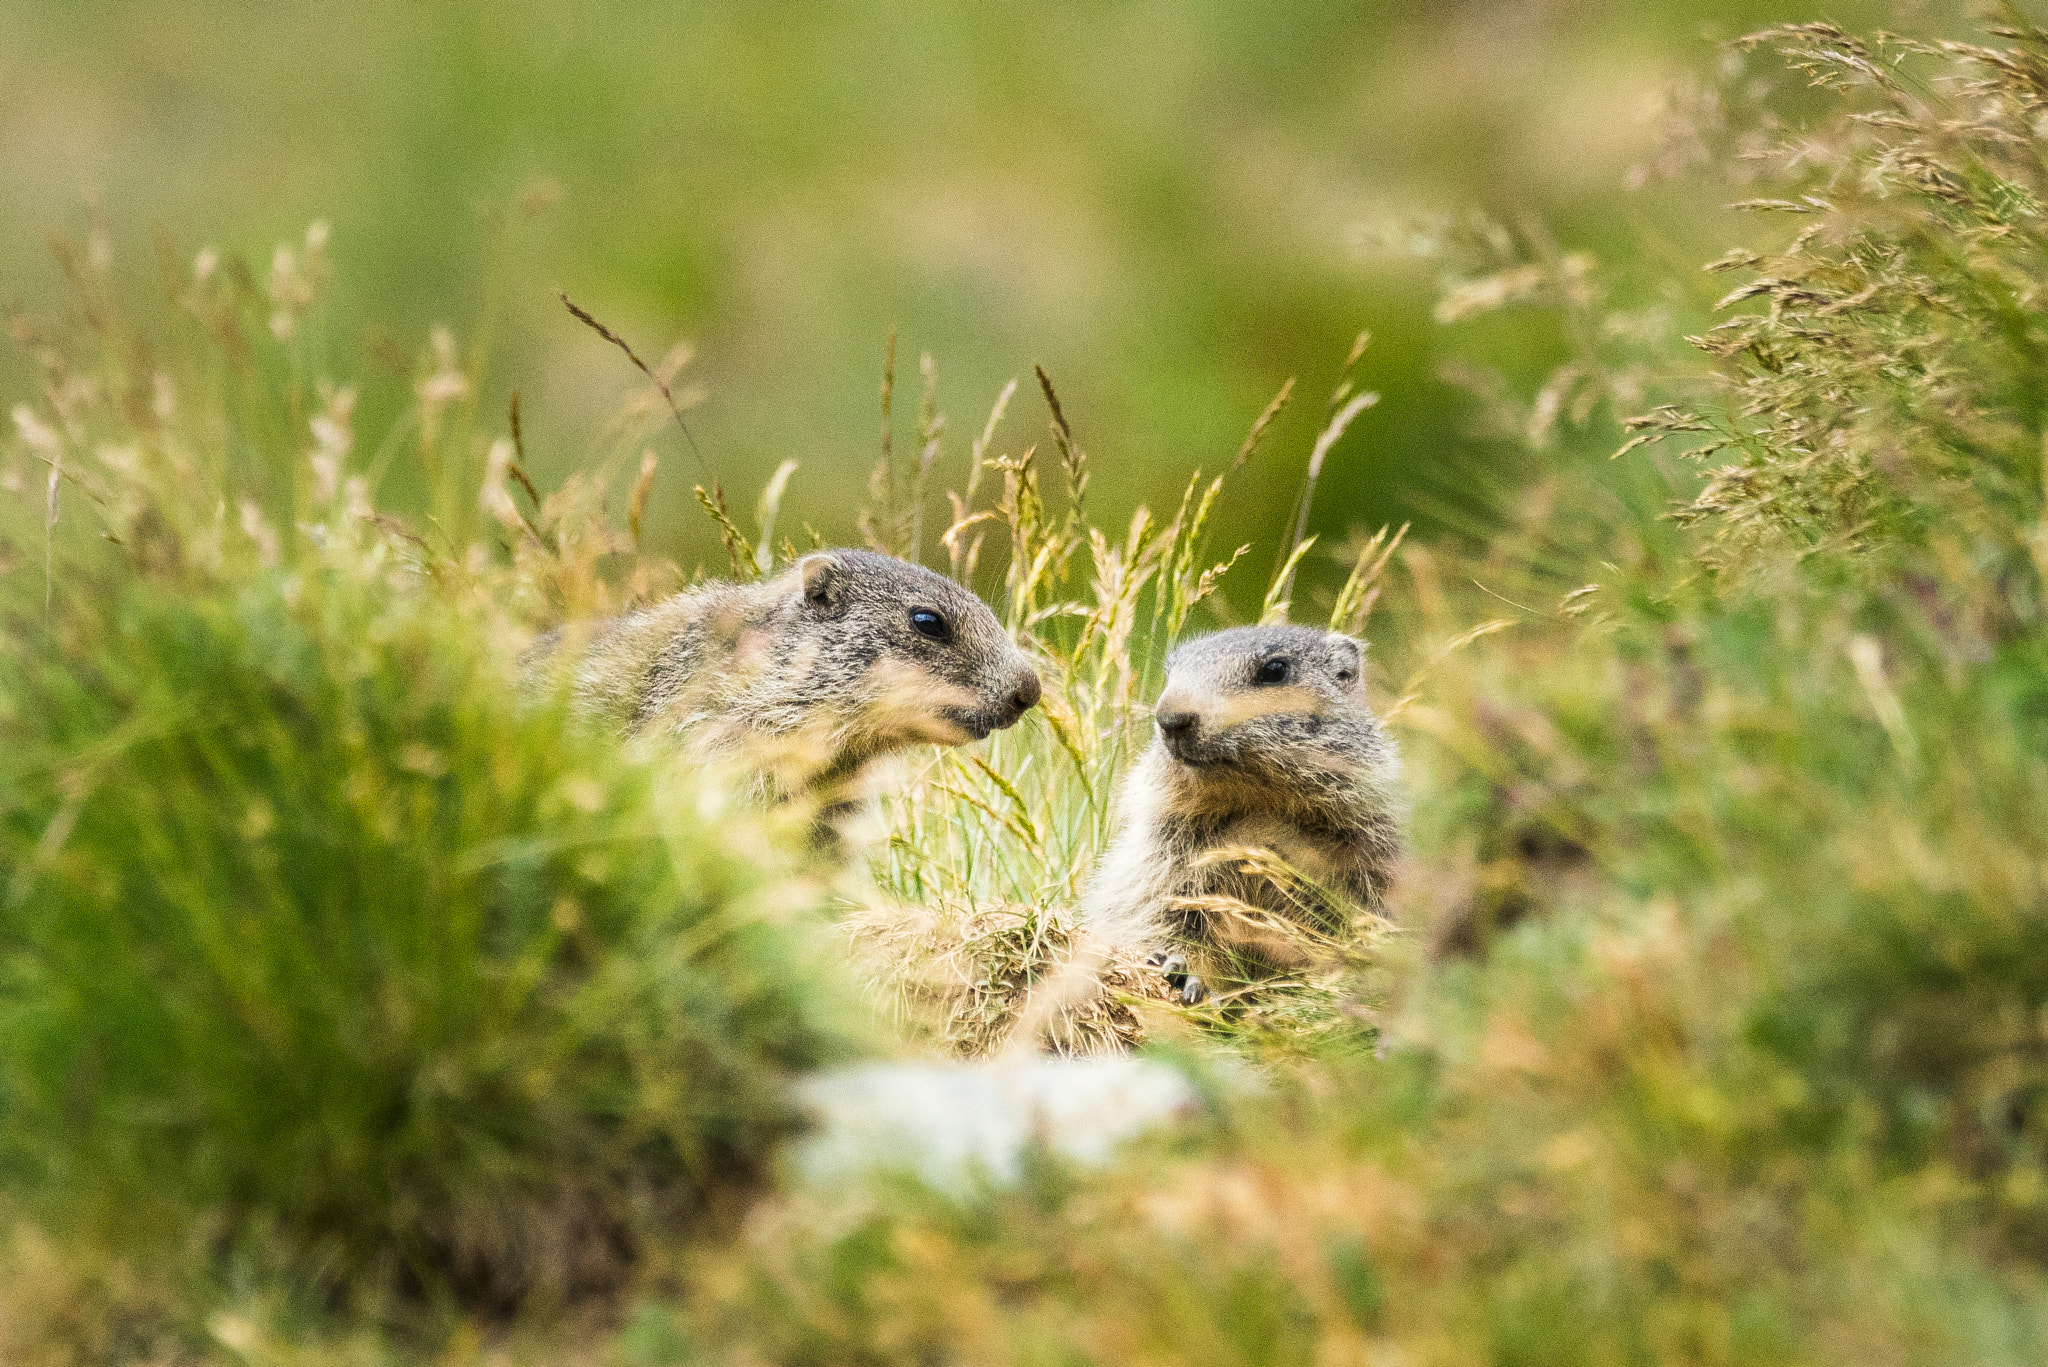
[(1026, 697), (1175, 725)]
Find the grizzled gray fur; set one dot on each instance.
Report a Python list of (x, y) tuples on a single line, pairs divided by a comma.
[(804, 678), (1266, 764)]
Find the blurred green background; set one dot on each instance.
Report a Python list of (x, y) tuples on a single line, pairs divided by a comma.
[(1171, 206)]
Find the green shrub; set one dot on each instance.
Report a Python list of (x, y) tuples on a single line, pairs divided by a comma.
[(311, 927), (322, 949)]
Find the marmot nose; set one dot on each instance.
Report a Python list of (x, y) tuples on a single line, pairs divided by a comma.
[(1175, 725), (1026, 696)]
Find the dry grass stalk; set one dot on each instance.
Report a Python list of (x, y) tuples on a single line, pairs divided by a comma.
[(964, 977), (660, 383)]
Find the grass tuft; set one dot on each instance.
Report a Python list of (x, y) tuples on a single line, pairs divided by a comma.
[(325, 952)]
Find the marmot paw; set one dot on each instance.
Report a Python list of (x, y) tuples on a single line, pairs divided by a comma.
[(1175, 968)]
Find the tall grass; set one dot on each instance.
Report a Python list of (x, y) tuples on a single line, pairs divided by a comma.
[(1718, 1036), (323, 950), (1713, 1033), (985, 852)]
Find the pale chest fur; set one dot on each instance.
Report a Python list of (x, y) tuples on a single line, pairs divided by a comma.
[(1192, 856)]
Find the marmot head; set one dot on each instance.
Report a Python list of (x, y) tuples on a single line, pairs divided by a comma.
[(918, 657), (1283, 701)]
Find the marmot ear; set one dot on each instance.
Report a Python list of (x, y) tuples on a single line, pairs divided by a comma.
[(819, 573), (1350, 654)]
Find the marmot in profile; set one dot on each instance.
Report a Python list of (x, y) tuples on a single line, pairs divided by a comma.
[(1267, 764), (843, 658)]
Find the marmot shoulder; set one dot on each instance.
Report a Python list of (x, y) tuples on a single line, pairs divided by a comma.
[(806, 677), (1266, 801)]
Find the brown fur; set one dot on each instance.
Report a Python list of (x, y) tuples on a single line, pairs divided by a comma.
[(805, 678), (1260, 819)]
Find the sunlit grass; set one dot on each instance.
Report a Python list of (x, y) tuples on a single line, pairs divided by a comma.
[(325, 952), (1712, 1030)]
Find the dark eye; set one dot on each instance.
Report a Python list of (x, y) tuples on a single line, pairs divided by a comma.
[(930, 625), (1273, 672)]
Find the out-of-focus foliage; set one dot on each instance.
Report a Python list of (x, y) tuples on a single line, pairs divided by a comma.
[(1714, 1031), (1722, 1038), (1173, 205), (324, 953), (1889, 392)]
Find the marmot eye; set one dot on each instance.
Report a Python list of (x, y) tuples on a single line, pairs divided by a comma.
[(1273, 672), (930, 624)]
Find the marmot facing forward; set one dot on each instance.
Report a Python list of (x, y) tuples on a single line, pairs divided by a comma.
[(1266, 764), (843, 658)]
